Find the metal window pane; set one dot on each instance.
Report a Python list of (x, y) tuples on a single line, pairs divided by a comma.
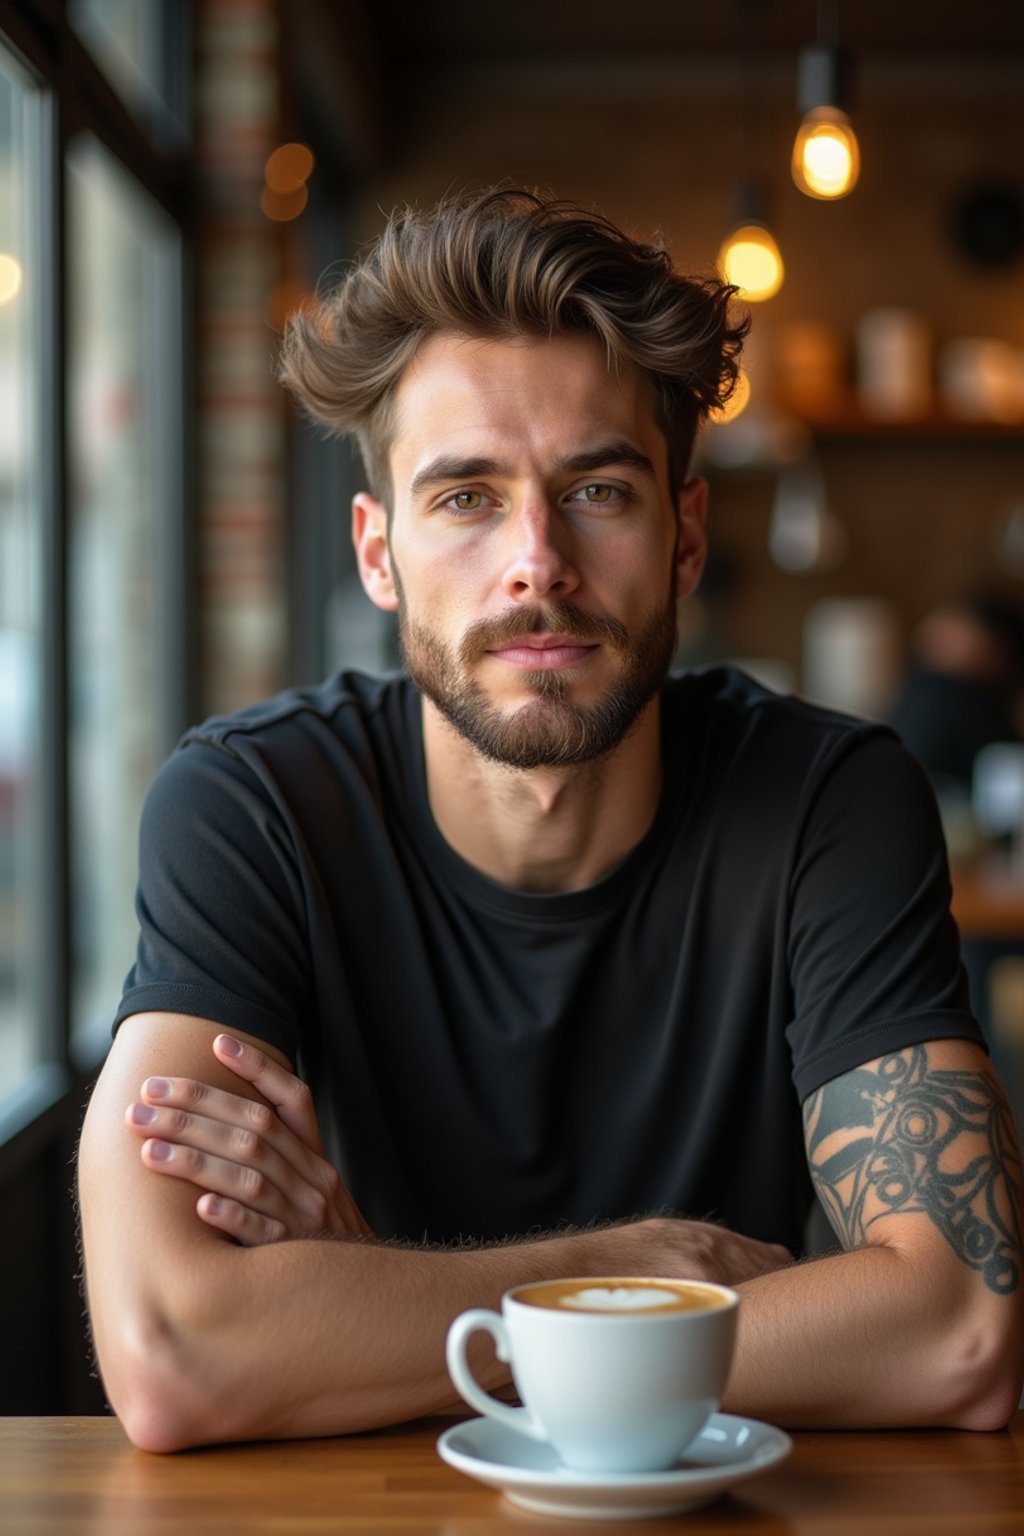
[(123, 373), (22, 1041), (142, 48)]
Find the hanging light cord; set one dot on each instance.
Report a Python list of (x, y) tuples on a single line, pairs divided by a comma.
[(828, 23), (753, 149)]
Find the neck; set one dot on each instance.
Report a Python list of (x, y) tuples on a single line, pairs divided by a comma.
[(543, 829)]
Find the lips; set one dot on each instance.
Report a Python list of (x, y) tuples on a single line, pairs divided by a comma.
[(541, 653), (558, 635)]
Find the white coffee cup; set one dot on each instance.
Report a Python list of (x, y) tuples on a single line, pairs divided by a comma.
[(617, 1374)]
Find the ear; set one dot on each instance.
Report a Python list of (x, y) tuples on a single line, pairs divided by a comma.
[(691, 520), (373, 555)]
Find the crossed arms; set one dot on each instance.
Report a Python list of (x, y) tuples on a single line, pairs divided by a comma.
[(236, 1293)]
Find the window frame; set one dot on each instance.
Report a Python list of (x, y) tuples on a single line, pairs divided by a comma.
[(75, 98)]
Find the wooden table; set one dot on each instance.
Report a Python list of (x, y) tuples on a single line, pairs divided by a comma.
[(66, 1477)]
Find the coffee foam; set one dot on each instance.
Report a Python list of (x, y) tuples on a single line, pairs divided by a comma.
[(619, 1298)]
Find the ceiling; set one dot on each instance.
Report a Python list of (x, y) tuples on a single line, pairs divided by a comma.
[(366, 69), (431, 32)]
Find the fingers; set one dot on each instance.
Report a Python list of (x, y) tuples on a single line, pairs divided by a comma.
[(289, 1095), (247, 1227), (210, 1110), (197, 1144), (270, 1192), (238, 1150)]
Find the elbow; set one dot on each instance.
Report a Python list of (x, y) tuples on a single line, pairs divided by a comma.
[(154, 1422), (991, 1405), (982, 1379), (153, 1425), (163, 1401)]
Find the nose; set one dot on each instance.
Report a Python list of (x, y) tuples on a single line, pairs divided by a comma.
[(538, 563)]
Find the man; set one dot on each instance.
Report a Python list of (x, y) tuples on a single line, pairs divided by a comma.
[(963, 686), (590, 971)]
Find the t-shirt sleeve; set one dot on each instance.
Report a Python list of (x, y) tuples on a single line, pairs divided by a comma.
[(219, 902), (873, 950)]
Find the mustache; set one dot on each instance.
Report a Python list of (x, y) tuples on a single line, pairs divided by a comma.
[(556, 618)]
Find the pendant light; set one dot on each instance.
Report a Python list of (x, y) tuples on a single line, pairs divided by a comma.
[(826, 155), (749, 255)]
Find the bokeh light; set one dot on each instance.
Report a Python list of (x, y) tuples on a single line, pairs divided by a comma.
[(283, 206), (289, 167), (10, 277), (826, 156), (750, 258)]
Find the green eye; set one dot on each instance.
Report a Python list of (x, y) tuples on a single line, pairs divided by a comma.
[(597, 492), (467, 501)]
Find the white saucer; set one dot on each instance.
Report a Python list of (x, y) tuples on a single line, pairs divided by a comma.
[(530, 1474)]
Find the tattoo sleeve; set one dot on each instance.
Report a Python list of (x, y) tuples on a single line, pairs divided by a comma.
[(901, 1135)]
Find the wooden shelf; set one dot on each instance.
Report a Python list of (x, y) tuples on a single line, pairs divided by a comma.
[(852, 423), (988, 900)]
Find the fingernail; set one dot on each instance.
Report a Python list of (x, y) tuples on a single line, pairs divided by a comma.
[(160, 1150), (229, 1046), (156, 1088), (142, 1114), (214, 1206)]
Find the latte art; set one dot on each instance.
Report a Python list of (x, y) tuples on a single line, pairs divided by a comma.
[(619, 1298), (625, 1297)]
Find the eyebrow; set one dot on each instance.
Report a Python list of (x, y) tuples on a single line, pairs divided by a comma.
[(620, 451), (450, 467)]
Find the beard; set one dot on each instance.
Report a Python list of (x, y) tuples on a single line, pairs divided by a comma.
[(552, 730)]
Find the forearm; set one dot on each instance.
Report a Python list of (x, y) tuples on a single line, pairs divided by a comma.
[(316, 1338), (876, 1337), (324, 1337)]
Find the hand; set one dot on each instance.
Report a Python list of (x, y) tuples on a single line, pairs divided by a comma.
[(673, 1248), (262, 1170)]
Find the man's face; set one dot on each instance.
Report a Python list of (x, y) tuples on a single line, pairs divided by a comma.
[(535, 554)]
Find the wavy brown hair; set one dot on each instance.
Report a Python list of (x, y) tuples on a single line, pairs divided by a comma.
[(505, 264)]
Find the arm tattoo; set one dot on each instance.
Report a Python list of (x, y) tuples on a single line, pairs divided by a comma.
[(902, 1136)]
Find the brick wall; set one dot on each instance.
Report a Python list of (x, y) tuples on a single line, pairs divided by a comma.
[(241, 439)]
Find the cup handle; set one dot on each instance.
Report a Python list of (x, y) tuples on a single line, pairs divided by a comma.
[(519, 1419)]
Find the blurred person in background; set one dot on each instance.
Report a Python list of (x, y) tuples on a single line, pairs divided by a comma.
[(964, 687)]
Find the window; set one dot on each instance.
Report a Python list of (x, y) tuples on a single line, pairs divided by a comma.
[(21, 607), (93, 611), (123, 372), (141, 47)]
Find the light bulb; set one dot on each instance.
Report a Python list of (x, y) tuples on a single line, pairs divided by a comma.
[(826, 156), (750, 259)]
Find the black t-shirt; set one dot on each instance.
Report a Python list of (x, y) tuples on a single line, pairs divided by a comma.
[(489, 1062)]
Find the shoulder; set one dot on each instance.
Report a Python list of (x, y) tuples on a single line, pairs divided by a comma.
[(771, 766), (302, 744), (725, 695), (346, 704), (740, 725), (349, 724)]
